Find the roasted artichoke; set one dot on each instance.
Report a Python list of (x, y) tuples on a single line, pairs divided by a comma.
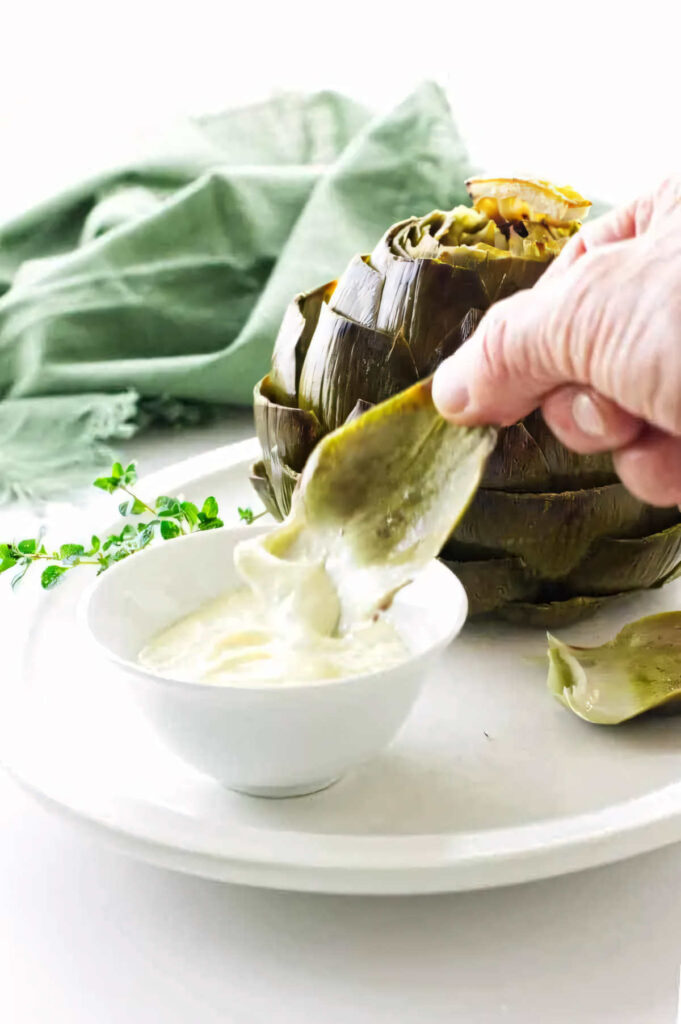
[(550, 535)]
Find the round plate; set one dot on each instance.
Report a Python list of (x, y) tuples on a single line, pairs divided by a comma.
[(490, 781)]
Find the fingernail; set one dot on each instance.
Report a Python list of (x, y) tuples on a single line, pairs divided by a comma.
[(587, 415)]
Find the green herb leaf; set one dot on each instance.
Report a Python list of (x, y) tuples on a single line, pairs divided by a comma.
[(7, 563), (170, 529), (146, 535), (28, 547), (210, 508), (166, 506), (107, 483), (51, 575), (211, 524), (69, 550), (132, 507), (191, 513), (246, 514), (130, 475), (94, 545)]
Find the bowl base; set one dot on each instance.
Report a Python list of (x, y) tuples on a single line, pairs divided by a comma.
[(281, 792)]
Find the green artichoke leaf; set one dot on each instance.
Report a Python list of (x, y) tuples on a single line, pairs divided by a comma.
[(527, 525), (539, 614), (528, 457), (346, 362), (358, 293), (614, 565), (293, 340), (494, 581), (294, 432), (640, 669), (260, 482), (377, 499)]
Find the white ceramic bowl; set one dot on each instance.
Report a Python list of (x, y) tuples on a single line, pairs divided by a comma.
[(265, 739)]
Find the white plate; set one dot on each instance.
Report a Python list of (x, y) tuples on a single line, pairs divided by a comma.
[(490, 782)]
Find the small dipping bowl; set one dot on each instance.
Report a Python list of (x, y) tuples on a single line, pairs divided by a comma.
[(266, 739)]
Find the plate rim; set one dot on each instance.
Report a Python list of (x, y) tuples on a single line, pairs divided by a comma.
[(361, 864)]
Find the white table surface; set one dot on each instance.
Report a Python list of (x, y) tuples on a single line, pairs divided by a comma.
[(87, 935)]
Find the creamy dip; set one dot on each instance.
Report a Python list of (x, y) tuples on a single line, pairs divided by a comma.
[(236, 639)]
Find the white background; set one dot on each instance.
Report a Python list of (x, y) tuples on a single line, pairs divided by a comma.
[(584, 93), (581, 92)]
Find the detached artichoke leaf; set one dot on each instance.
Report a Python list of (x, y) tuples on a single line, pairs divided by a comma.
[(292, 342), (637, 671), (528, 525), (347, 362), (379, 496), (493, 582)]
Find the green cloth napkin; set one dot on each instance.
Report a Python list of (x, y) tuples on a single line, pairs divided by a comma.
[(166, 281)]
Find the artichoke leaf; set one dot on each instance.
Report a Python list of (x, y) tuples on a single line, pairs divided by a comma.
[(377, 499), (550, 614), (493, 582), (529, 458), (358, 410), (358, 293), (294, 432), (346, 362), (260, 482), (293, 340), (614, 565), (527, 525), (568, 470), (640, 669)]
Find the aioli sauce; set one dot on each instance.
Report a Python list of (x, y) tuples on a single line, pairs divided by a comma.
[(281, 628), (236, 640)]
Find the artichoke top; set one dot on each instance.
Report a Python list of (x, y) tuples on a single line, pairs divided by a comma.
[(527, 218)]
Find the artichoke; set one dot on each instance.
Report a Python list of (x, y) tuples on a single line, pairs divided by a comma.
[(550, 535)]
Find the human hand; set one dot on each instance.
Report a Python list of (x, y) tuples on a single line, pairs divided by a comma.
[(596, 344)]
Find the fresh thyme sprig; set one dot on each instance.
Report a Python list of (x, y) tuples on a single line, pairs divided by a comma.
[(170, 518)]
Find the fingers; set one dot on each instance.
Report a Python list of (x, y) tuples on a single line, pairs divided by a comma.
[(650, 467), (590, 326), (587, 422), (517, 356), (615, 226)]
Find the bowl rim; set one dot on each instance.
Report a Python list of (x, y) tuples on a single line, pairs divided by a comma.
[(253, 686)]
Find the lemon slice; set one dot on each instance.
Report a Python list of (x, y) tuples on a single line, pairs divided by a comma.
[(532, 199)]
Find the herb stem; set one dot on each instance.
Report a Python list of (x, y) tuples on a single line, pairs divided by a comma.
[(135, 498)]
